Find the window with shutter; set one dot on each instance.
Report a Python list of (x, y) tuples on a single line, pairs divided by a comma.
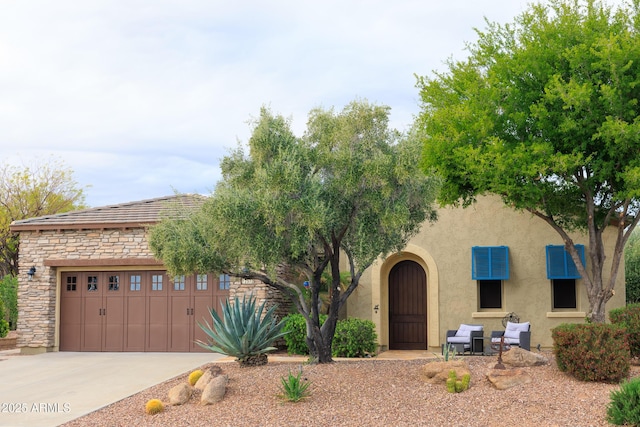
[(560, 265), (490, 263)]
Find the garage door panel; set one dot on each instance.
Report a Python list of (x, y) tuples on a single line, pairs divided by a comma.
[(134, 311)]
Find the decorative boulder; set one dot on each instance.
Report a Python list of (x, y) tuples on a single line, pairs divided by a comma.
[(215, 390), (180, 394), (208, 375), (438, 372), (520, 358), (503, 379)]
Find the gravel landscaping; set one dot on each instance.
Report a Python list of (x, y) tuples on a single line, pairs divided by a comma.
[(374, 393)]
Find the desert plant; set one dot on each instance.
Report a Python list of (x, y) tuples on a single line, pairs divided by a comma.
[(296, 328), (629, 317), (455, 385), (354, 338), (195, 376), (244, 333), (154, 406), (624, 407), (592, 352), (448, 352), (294, 388)]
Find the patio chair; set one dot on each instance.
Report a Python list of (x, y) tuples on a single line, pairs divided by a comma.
[(462, 338), (514, 334)]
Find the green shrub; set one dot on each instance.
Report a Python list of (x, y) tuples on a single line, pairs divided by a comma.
[(4, 328), (244, 333), (354, 338), (9, 300), (592, 352), (629, 317), (624, 407), (294, 388), (296, 328)]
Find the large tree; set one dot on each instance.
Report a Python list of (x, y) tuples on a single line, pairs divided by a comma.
[(544, 112), (350, 187), (26, 191)]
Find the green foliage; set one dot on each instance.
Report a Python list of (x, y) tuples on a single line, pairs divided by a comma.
[(296, 328), (629, 318), (244, 333), (354, 338), (624, 407), (9, 300), (294, 388), (195, 376), (632, 268), (455, 385), (592, 352), (42, 188), (154, 406), (543, 114), (448, 352), (4, 328), (350, 187)]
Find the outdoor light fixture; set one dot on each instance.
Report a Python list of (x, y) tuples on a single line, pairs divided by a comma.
[(31, 273), (376, 308)]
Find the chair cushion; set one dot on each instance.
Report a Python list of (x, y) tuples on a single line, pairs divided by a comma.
[(458, 340), (465, 330), (513, 330)]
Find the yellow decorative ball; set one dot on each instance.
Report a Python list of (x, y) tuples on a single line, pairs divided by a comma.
[(195, 376), (154, 406)]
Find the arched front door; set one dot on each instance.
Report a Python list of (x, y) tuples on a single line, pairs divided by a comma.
[(407, 307)]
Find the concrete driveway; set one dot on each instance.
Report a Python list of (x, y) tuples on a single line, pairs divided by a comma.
[(52, 388)]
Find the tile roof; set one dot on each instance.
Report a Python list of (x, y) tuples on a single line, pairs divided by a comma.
[(124, 215)]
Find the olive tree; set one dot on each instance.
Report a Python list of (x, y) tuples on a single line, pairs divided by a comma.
[(348, 189), (545, 112)]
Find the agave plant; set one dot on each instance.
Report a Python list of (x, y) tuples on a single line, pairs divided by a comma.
[(244, 333)]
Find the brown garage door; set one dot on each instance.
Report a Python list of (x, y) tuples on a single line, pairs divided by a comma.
[(407, 307), (136, 310)]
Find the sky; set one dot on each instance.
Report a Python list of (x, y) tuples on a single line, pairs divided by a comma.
[(144, 98)]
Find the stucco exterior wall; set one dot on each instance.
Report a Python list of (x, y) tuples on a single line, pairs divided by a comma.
[(443, 249)]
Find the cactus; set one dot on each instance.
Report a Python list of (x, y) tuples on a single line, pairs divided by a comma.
[(455, 385), (195, 376), (154, 406)]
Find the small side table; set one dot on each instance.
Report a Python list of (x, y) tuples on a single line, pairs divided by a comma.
[(478, 346)]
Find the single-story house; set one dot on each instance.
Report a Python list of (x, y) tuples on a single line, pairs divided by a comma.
[(89, 282)]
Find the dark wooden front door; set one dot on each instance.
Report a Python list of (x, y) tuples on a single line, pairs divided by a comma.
[(407, 307)]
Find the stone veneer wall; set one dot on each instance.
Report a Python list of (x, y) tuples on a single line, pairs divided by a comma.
[(37, 298), (262, 292)]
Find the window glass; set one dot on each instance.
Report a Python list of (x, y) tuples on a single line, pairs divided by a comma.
[(72, 282), (156, 282), (564, 293), (135, 282), (178, 283), (225, 282), (201, 282), (490, 292), (114, 283), (92, 283)]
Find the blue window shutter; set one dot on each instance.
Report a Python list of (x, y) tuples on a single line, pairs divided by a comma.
[(560, 265), (490, 263)]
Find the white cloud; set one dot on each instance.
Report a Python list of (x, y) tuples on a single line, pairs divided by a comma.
[(140, 97)]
